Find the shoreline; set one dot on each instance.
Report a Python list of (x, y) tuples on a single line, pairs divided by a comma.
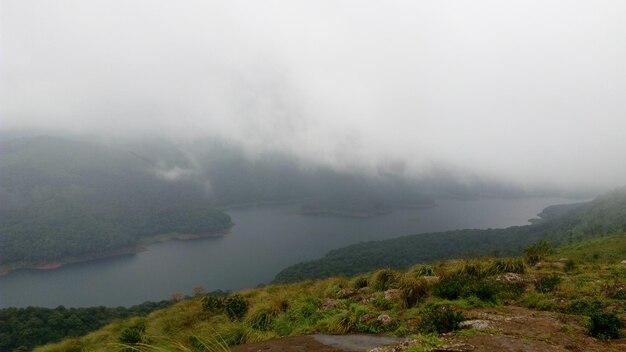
[(88, 257)]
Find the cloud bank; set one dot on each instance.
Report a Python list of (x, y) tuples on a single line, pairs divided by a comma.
[(526, 91)]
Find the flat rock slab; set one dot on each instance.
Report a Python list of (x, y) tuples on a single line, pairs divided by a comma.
[(320, 343), (357, 343)]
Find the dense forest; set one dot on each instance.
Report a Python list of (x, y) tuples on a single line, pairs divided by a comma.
[(21, 329), (64, 198), (561, 224)]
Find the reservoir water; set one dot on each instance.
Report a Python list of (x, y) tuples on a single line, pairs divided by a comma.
[(263, 241)]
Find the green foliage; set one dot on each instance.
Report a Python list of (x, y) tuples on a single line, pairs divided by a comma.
[(29, 327), (133, 334), (213, 304), (570, 265), (412, 290), (235, 306), (262, 319), (535, 252), (359, 282), (381, 302), (383, 279), (605, 326), (451, 287), (423, 270), (440, 319), (547, 283), (585, 306), (507, 265)]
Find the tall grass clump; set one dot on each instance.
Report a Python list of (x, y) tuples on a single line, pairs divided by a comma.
[(507, 265), (422, 270), (383, 279), (547, 283), (412, 290)]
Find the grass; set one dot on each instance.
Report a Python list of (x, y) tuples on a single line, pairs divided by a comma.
[(386, 301)]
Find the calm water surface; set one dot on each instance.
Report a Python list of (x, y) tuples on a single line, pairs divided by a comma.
[(263, 241)]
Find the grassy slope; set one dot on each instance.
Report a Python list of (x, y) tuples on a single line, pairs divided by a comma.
[(592, 283)]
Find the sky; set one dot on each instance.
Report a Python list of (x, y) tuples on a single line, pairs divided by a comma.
[(532, 92)]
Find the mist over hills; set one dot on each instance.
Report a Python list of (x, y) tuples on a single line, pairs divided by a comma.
[(67, 196)]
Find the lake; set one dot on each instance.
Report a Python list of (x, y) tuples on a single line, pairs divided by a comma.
[(263, 241)]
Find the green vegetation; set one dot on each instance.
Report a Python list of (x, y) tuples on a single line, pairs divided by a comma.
[(389, 301), (605, 325), (21, 329), (563, 224), (56, 194)]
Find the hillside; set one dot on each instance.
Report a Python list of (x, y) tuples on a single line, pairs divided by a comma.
[(571, 298), (69, 199), (559, 224)]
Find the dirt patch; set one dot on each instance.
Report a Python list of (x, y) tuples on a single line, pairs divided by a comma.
[(319, 343), (520, 329)]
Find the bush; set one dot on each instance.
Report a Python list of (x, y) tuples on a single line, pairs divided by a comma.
[(440, 319), (604, 326), (585, 306), (570, 265), (382, 303), (133, 334), (547, 283), (451, 287), (359, 282), (511, 290), (537, 251), (485, 290), (384, 279), (213, 304), (235, 306)]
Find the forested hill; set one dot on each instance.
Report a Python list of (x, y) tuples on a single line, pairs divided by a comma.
[(605, 214), (63, 198)]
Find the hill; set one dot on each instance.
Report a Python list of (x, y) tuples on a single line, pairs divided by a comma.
[(69, 199), (560, 224), (573, 297)]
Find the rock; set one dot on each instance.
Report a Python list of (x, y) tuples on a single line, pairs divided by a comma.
[(385, 319), (475, 324), (431, 279), (346, 292), (510, 277), (460, 347), (329, 303), (392, 294), (623, 261)]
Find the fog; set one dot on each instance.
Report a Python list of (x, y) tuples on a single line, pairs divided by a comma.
[(527, 92)]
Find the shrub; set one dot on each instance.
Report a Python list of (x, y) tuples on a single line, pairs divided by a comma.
[(485, 290), (213, 304), (384, 279), (604, 326), (440, 319), (235, 306), (511, 290), (547, 283), (359, 282), (382, 302), (585, 306), (133, 334), (537, 251), (451, 287), (570, 265)]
